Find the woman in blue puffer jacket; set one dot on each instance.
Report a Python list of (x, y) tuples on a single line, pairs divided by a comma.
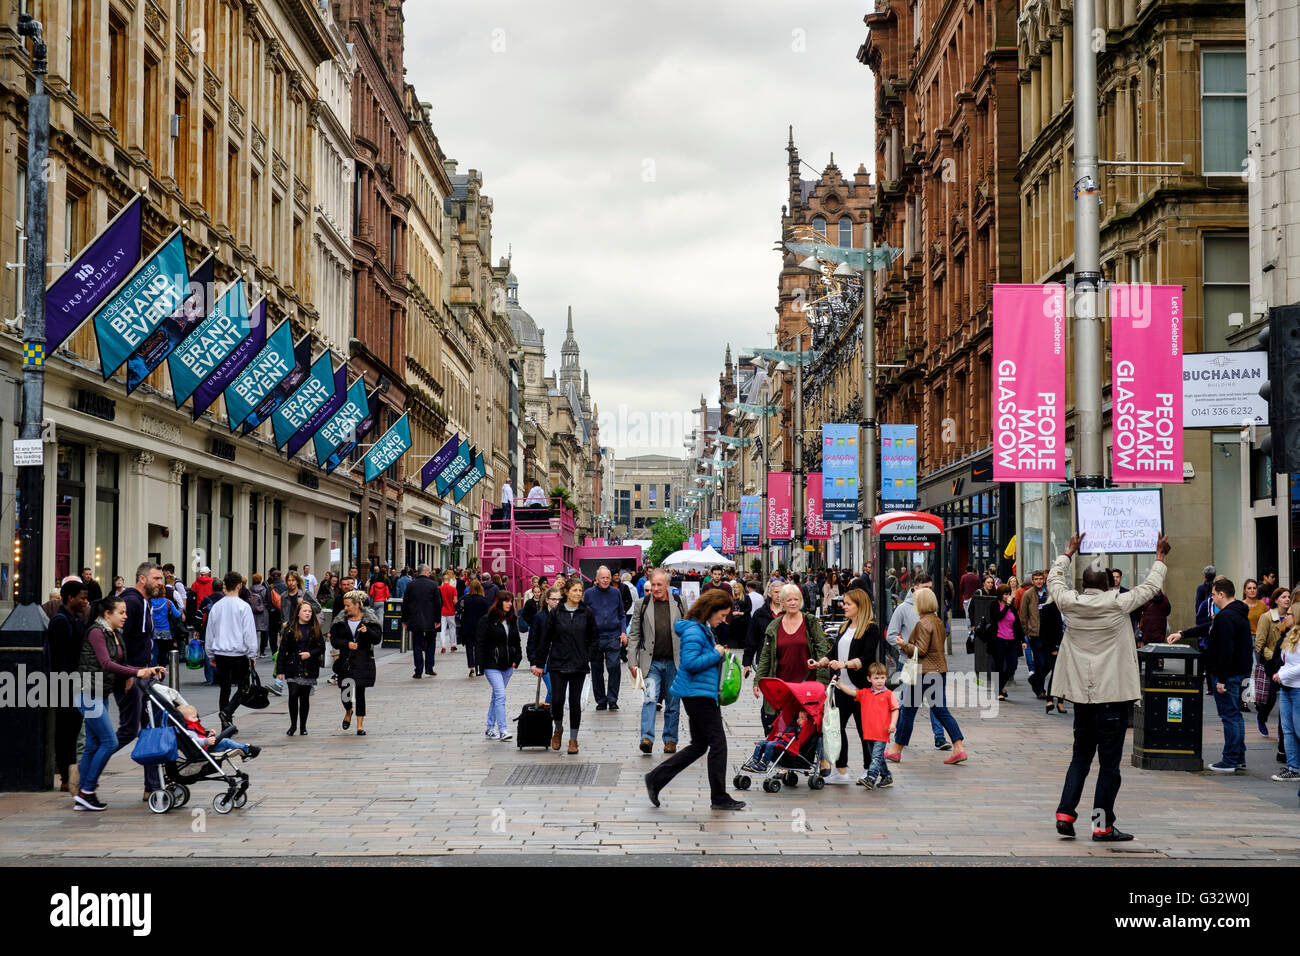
[(696, 684)]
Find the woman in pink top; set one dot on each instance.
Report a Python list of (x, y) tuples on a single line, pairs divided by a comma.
[(1005, 649)]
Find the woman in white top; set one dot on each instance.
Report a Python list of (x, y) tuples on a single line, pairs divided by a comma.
[(853, 651)]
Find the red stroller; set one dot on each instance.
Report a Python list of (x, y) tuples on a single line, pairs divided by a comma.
[(802, 756)]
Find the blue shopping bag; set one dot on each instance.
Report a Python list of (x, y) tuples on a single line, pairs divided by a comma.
[(155, 745)]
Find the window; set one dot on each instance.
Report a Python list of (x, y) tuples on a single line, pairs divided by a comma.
[(69, 511), (79, 37), (225, 530), (117, 77), (209, 168), (203, 521), (846, 233), (819, 224), (106, 470), (1226, 290), (152, 148), (181, 145), (1223, 112), (277, 517), (253, 503), (232, 195)]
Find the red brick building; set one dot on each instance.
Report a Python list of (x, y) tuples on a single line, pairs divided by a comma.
[(947, 147), (378, 347)]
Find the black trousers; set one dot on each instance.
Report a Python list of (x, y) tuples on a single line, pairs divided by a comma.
[(422, 643), (1005, 657), (572, 685), (848, 707), (705, 717), (353, 697), (231, 671), (299, 705), (67, 726), (1099, 730)]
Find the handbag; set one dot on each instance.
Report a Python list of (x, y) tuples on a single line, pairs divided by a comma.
[(729, 680), (255, 696), (155, 745), (831, 729), (911, 672)]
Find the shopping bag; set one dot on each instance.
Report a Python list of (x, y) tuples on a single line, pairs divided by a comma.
[(155, 745), (194, 654), (586, 692), (911, 672), (729, 680), (831, 726)]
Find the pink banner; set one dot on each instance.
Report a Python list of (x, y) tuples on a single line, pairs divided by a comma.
[(1146, 336), (815, 526), (780, 505), (695, 542), (1028, 382), (730, 525)]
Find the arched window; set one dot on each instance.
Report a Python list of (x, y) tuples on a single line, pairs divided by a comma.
[(819, 223), (846, 233)]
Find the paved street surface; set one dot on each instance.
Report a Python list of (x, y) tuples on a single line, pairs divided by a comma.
[(424, 785)]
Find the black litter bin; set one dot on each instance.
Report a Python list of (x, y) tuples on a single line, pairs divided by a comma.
[(1167, 720), (393, 622)]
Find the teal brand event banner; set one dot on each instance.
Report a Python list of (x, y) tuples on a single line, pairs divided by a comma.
[(151, 294), (391, 446), (310, 397), (268, 369), (341, 426), (216, 337)]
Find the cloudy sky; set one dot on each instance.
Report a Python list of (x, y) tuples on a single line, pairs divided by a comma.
[(635, 155)]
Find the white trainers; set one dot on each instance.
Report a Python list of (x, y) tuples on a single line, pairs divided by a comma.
[(492, 734), (504, 735), (842, 779)]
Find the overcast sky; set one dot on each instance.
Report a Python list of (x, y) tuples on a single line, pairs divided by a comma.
[(635, 155)]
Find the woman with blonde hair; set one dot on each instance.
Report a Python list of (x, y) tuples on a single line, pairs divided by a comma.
[(927, 640), (1287, 680), (854, 650), (791, 641)]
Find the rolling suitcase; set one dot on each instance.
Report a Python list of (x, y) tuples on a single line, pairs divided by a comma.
[(534, 723)]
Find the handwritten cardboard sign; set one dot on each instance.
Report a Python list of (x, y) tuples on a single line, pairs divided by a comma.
[(1119, 521)]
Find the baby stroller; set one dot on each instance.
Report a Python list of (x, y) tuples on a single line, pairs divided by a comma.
[(802, 756), (192, 763)]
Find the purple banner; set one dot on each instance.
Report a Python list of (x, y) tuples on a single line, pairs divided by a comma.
[(301, 366), (438, 462), (160, 343), (323, 414), (234, 363), (74, 296)]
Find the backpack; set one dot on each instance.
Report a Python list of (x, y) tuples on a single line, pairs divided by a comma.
[(377, 589), (275, 599), (256, 602)]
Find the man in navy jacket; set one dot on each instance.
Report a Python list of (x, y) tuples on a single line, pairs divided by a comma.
[(606, 604)]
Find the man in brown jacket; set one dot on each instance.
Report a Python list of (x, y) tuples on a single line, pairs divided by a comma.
[(1097, 670)]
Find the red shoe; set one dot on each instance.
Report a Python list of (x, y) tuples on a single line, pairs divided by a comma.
[(957, 757), (897, 758)]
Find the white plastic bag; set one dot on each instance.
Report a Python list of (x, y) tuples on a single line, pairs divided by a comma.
[(586, 692)]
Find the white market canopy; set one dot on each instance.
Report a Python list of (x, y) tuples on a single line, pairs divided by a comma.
[(690, 560)]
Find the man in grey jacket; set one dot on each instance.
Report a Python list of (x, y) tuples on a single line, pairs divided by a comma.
[(654, 651), (1097, 669)]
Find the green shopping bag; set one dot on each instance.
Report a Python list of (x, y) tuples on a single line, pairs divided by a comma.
[(729, 681)]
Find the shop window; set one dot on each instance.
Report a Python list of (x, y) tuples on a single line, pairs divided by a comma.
[(107, 470), (203, 521), (254, 502), (69, 511)]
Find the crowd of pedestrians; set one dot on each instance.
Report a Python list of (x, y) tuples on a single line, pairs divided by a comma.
[(577, 636)]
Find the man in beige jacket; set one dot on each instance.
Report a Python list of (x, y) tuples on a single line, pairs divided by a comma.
[(1097, 669)]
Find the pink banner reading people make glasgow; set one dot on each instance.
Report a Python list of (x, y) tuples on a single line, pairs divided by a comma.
[(780, 505), (1146, 340), (815, 525), (730, 535), (1028, 382)]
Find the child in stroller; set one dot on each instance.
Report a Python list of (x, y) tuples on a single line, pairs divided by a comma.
[(788, 755), (765, 751), (210, 741)]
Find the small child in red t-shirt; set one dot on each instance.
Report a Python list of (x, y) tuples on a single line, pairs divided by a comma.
[(879, 710)]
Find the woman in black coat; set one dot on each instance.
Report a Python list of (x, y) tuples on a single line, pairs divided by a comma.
[(535, 631), (473, 606), (564, 649), (498, 653), (737, 624), (355, 640), (298, 662), (758, 624)]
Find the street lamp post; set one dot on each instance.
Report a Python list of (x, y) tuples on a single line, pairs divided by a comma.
[(868, 441)]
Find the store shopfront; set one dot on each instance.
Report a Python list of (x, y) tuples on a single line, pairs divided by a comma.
[(978, 515)]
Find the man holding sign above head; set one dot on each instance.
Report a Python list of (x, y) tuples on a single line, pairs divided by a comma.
[(1097, 669)]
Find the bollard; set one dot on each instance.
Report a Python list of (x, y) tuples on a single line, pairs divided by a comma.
[(174, 670)]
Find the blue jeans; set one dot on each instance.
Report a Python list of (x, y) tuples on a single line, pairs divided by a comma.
[(1234, 725), (1029, 656), (1288, 701), (496, 715), (935, 726), (101, 740), (661, 674), (546, 679), (879, 768), (221, 746), (932, 691), (607, 657)]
